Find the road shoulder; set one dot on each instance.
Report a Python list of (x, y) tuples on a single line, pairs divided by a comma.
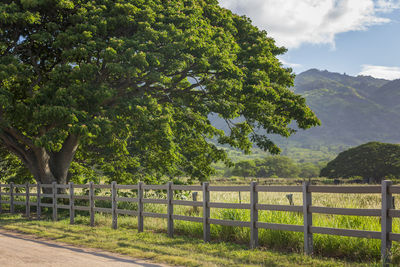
[(18, 249)]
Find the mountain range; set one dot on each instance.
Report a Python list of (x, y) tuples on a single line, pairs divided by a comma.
[(352, 110)]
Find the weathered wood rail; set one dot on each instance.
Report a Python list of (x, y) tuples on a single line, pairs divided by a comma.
[(386, 213)]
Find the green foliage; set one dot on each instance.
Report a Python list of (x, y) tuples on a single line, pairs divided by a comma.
[(274, 166), (244, 168), (309, 170), (131, 85), (12, 170), (277, 166), (372, 160)]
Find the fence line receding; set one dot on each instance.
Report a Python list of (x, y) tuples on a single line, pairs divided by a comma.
[(58, 191)]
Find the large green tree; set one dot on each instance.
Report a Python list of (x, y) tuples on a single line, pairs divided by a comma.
[(277, 166), (129, 85), (373, 161), (245, 168)]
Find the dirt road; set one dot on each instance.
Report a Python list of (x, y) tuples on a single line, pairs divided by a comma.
[(22, 250)]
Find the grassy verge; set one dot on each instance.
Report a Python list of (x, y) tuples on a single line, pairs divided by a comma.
[(340, 247), (157, 247)]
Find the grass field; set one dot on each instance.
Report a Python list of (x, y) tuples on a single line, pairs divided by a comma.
[(155, 246), (353, 249), (356, 249)]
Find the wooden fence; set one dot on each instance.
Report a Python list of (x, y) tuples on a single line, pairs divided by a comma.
[(386, 213)]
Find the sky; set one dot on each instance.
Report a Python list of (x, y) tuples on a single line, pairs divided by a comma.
[(356, 37)]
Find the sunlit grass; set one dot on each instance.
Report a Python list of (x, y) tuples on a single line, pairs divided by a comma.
[(158, 247), (357, 249)]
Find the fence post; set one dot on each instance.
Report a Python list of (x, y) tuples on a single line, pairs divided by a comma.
[(170, 197), (206, 213), (54, 190), (308, 237), (1, 204), (27, 205), (38, 200), (140, 207), (253, 215), (114, 204), (12, 198), (194, 197), (91, 203), (386, 222), (71, 203)]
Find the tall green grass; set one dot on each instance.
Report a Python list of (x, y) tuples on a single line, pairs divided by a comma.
[(357, 249)]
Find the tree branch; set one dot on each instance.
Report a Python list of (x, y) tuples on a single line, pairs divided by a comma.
[(19, 137), (12, 144)]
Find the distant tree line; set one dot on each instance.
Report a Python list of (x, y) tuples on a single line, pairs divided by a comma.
[(274, 166), (371, 162)]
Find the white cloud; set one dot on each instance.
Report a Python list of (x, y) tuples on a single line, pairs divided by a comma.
[(290, 64), (387, 5), (383, 72), (293, 22)]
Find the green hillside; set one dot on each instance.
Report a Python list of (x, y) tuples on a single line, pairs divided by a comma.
[(352, 110), (389, 95)]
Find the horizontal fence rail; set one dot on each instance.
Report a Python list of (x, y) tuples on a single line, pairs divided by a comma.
[(47, 196)]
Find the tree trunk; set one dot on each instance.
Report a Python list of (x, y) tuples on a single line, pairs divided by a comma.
[(46, 166)]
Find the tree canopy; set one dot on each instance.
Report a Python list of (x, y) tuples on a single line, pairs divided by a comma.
[(273, 166), (245, 168), (372, 161), (277, 166), (126, 87)]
